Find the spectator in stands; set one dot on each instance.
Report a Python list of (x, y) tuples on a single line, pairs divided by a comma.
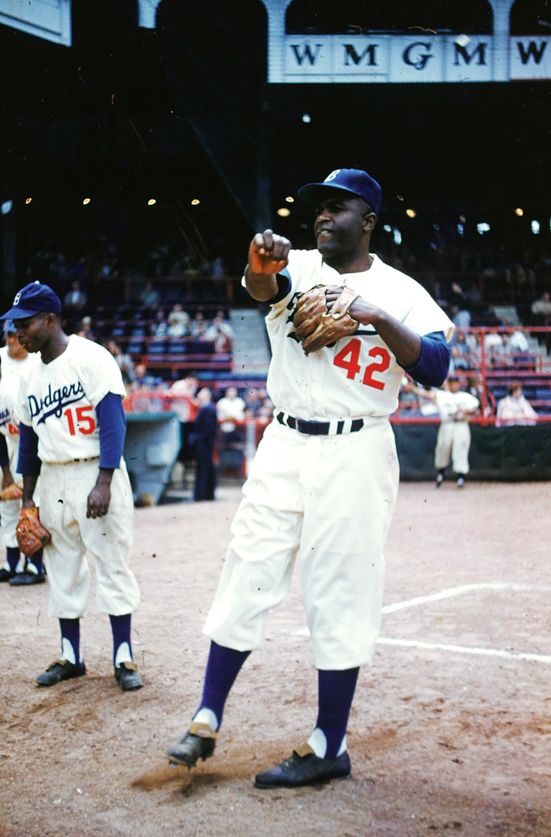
[(202, 440), (149, 296), (144, 379), (199, 326), (124, 362), (515, 408), (475, 388), (253, 402), (460, 316), (266, 410), (230, 409), (516, 342), (75, 300), (494, 347), (185, 406), (221, 333), (85, 329), (159, 326), (541, 309), (179, 322), (460, 352)]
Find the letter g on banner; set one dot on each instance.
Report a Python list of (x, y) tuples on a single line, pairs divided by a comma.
[(417, 59)]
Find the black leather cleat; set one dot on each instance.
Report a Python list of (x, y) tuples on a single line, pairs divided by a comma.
[(197, 743), (303, 767), (6, 575), (128, 677), (60, 670), (24, 579)]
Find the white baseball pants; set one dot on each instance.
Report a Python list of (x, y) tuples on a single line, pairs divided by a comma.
[(328, 502), (64, 490), (452, 445)]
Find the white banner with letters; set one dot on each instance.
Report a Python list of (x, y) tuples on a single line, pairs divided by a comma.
[(305, 59)]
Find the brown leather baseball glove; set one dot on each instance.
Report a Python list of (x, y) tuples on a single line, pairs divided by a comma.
[(317, 324), (11, 492), (30, 533)]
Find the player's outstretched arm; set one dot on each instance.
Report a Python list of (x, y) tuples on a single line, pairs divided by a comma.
[(268, 255)]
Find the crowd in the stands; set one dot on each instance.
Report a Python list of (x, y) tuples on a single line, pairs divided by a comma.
[(161, 299)]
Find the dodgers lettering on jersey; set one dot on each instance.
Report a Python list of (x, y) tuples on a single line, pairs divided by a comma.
[(58, 399), (54, 402), (359, 375)]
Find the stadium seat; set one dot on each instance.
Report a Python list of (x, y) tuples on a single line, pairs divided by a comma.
[(176, 347)]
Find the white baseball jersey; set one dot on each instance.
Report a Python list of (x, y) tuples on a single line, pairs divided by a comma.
[(11, 373), (359, 376), (58, 400), (453, 404)]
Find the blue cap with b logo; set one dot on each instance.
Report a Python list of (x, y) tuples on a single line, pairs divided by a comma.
[(34, 298), (354, 181)]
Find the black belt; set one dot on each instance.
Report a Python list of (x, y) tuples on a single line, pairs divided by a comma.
[(319, 428)]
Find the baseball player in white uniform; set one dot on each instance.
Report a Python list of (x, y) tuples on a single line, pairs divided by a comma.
[(322, 487), (72, 429), (14, 363), (454, 434)]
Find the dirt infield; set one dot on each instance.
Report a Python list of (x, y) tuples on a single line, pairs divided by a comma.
[(450, 731)]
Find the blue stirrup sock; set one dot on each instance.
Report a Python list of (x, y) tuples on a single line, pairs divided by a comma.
[(35, 563), (335, 694), (121, 626), (70, 640), (12, 557), (223, 666)]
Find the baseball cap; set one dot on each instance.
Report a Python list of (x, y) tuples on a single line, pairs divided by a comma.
[(10, 327), (354, 181), (34, 298)]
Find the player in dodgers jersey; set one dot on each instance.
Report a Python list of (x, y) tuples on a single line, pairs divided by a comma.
[(322, 487), (72, 432), (18, 571)]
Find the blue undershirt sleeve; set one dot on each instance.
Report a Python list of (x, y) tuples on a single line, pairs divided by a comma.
[(4, 458), (434, 361), (28, 462), (283, 287), (112, 430)]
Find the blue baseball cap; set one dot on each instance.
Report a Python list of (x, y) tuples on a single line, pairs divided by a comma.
[(10, 327), (354, 181), (34, 298)]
